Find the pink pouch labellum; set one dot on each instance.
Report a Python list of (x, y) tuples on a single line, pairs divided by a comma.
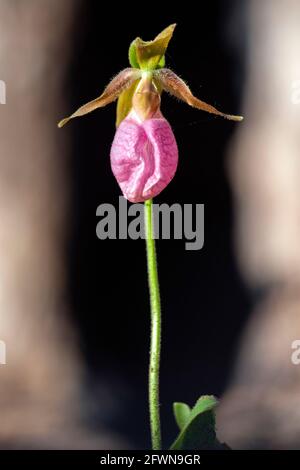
[(144, 157)]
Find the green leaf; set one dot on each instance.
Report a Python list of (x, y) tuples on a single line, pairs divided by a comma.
[(182, 412), (197, 430)]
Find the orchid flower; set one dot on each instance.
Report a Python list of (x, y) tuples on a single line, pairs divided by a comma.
[(144, 152), (144, 159)]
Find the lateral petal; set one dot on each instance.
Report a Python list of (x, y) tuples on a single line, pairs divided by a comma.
[(121, 82), (177, 87)]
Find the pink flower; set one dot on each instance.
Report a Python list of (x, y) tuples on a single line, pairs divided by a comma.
[(144, 156), (144, 152)]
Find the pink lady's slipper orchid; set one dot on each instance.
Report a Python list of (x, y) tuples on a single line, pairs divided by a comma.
[(144, 152)]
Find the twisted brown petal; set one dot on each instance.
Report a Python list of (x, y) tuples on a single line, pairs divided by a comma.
[(177, 87), (121, 82)]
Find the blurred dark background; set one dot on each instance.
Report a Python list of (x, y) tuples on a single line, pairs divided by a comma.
[(74, 310), (204, 302)]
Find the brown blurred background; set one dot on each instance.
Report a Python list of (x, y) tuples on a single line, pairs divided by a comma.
[(73, 309)]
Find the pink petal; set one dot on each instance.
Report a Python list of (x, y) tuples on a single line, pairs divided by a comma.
[(144, 157)]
